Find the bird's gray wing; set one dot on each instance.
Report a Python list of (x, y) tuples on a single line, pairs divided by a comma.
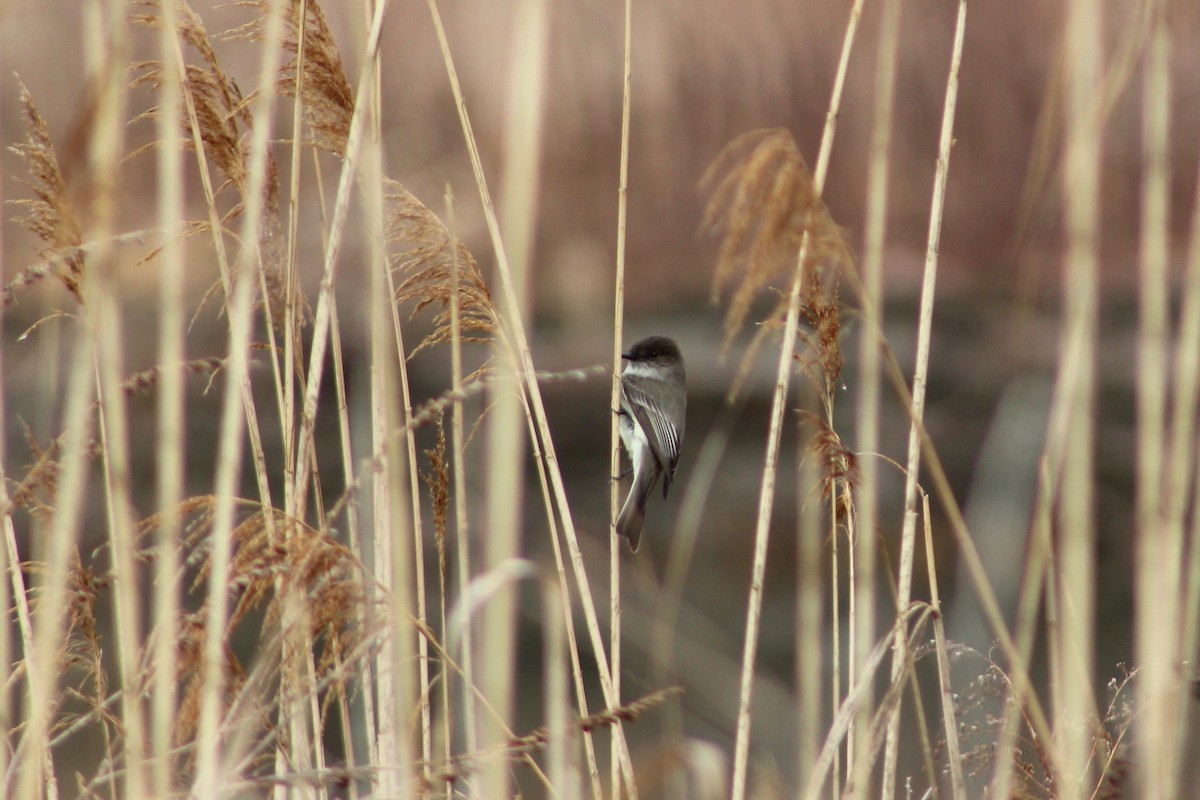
[(655, 418)]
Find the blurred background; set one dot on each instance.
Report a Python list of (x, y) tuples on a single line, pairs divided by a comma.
[(705, 71)]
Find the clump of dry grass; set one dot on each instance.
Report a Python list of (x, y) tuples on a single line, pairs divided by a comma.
[(222, 113), (980, 700), (272, 566), (839, 463), (222, 121), (50, 215), (328, 99), (431, 272), (763, 204)]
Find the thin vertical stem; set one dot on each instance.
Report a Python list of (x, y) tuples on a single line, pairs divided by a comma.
[(870, 374), (520, 346), (507, 453), (44, 639), (170, 448), (461, 520), (209, 766), (614, 541), (949, 723), (1076, 577), (106, 48), (920, 377), (809, 643), (1160, 537), (766, 497), (1187, 383)]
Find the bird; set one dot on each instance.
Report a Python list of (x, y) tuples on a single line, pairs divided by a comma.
[(652, 415)]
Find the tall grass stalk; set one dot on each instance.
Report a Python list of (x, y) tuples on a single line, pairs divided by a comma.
[(1160, 535), (809, 647), (843, 720), (1187, 384), (7, 611), (461, 520), (297, 667), (321, 322), (171, 444), (1076, 578), (614, 541), (189, 20), (862, 620), (506, 447), (920, 377), (42, 641), (105, 49), (394, 514), (209, 761), (819, 173), (766, 497), (1036, 576), (536, 407), (949, 719), (410, 447)]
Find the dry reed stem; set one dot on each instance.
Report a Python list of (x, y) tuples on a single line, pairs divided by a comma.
[(920, 377), (260, 175), (949, 722), (410, 442), (862, 617), (810, 214), (775, 153), (206, 91), (529, 376), (1038, 562), (105, 49), (940, 481), (296, 39), (321, 322), (289, 318), (1187, 383), (809, 645), (1160, 551), (43, 640), (8, 611), (1076, 394), (614, 541), (525, 90), (51, 218), (392, 525), (170, 412), (842, 721), (461, 520)]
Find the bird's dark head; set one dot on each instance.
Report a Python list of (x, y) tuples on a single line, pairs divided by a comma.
[(656, 349)]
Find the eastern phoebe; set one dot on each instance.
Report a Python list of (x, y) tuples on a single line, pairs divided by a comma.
[(653, 407)]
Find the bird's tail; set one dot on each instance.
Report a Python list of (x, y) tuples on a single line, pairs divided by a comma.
[(633, 513)]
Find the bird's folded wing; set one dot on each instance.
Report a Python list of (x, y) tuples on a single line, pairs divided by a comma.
[(655, 421)]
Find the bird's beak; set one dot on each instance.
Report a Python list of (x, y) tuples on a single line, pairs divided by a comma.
[(626, 356)]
